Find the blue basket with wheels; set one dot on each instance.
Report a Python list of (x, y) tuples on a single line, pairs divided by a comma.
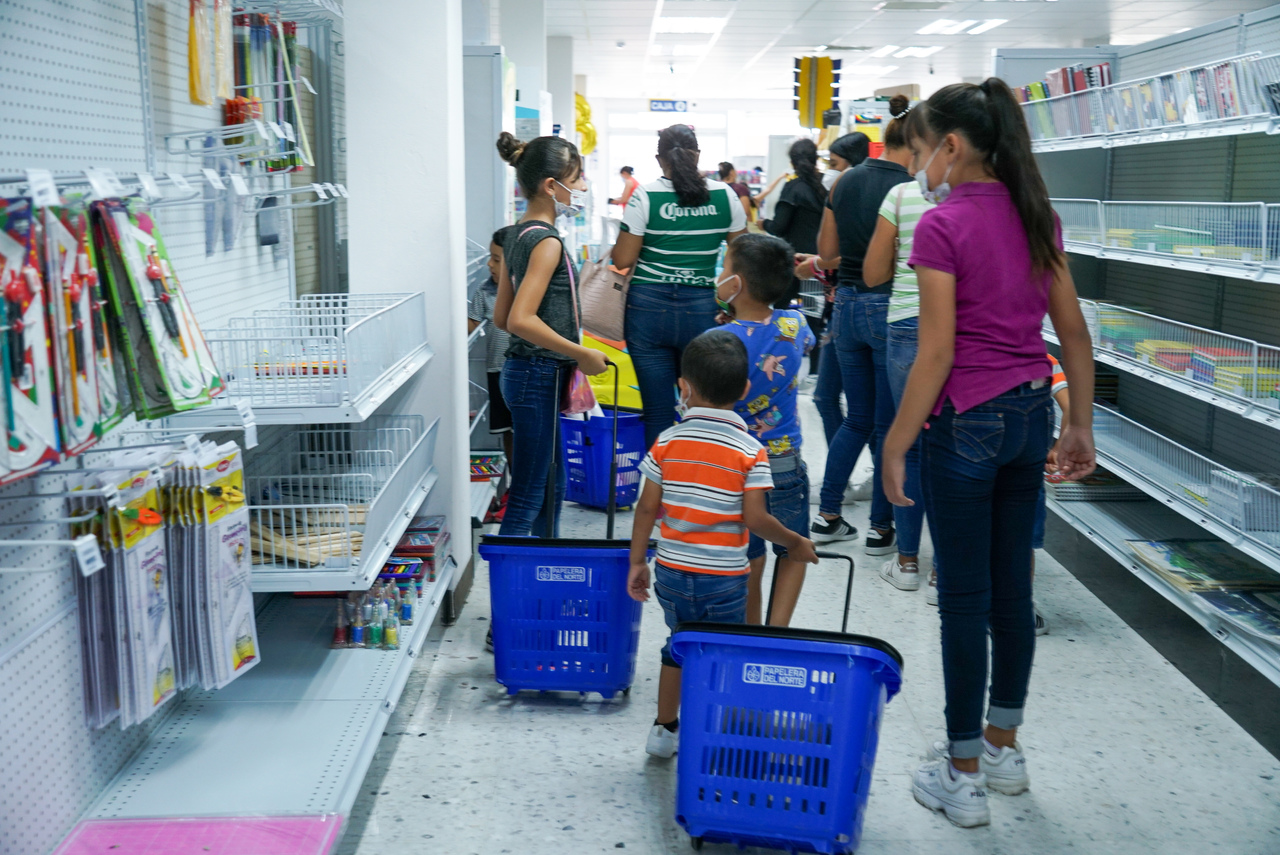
[(778, 734), (586, 456), (562, 619)]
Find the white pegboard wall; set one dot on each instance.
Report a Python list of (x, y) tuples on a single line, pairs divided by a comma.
[(70, 93)]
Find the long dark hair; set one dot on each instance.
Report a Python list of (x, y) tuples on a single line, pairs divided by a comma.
[(804, 162), (852, 147), (678, 151), (895, 135), (990, 118), (726, 169), (539, 159)]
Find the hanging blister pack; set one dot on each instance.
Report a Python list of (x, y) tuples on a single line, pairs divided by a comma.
[(174, 369), (225, 518), (69, 280), (30, 417)]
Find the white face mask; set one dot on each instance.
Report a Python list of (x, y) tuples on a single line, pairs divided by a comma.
[(577, 202), (725, 303), (943, 190)]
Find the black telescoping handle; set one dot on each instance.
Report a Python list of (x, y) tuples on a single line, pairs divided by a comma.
[(848, 588), (612, 507)]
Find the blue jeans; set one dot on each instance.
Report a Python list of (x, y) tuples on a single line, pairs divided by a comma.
[(1042, 511), (983, 470), (903, 337), (532, 387), (789, 502), (698, 596), (859, 330), (661, 321), (827, 391)]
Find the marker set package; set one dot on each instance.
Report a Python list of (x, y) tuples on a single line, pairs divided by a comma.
[(30, 421), (172, 367), (173, 607)]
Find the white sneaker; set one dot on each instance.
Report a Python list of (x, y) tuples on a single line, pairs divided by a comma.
[(662, 742), (963, 798), (1006, 770), (1042, 625), (859, 492), (904, 577), (931, 592)]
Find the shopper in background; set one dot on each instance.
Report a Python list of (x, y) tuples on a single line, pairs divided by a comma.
[(629, 185), (671, 234), (479, 310), (537, 305), (858, 334), (758, 270), (798, 213), (886, 262), (990, 263), (845, 153), (710, 479), (729, 177)]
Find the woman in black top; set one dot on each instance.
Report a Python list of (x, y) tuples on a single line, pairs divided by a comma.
[(798, 214), (536, 304), (859, 332)]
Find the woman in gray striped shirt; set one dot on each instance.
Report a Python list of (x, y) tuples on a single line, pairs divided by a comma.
[(671, 233)]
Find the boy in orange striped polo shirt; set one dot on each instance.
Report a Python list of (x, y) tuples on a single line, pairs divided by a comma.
[(710, 477)]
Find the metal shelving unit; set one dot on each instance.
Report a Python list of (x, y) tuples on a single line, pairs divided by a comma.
[(1234, 506), (329, 504), (293, 736), (1110, 524), (1232, 373)]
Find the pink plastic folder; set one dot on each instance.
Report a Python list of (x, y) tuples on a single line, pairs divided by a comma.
[(248, 835)]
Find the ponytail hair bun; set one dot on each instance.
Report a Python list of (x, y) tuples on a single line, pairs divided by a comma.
[(898, 105), (509, 148), (678, 152)]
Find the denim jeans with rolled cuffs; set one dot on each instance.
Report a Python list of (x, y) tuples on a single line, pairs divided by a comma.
[(983, 470), (661, 321), (532, 387), (788, 500), (859, 332), (903, 341)]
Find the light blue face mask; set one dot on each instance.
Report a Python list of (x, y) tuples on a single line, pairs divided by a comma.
[(943, 190), (577, 202)]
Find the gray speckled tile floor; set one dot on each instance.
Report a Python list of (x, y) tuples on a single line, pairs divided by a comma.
[(1126, 755)]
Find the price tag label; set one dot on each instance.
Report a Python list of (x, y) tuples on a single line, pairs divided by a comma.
[(262, 129), (320, 191), (250, 424), (343, 190), (150, 188), (288, 132), (238, 185), (88, 555), (277, 130), (310, 88), (180, 181), (214, 180), (44, 192), (104, 182)]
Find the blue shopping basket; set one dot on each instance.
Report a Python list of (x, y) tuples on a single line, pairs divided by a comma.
[(778, 734), (562, 618), (589, 471)]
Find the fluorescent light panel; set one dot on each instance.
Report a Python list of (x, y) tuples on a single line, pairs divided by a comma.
[(689, 25), (945, 27), (917, 51), (988, 25), (886, 50)]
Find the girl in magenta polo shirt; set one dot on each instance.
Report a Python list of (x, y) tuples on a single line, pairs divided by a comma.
[(990, 264)]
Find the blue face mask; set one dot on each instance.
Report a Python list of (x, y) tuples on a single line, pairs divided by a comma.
[(577, 202), (938, 194)]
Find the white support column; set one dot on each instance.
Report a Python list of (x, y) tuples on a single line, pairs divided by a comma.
[(407, 207), (560, 83), (523, 26)]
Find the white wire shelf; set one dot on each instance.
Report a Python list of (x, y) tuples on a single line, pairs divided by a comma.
[(482, 495), (1236, 374), (322, 358), (1110, 524), (812, 298), (295, 735), (329, 503), (478, 396), (1237, 507), (1221, 98), (1236, 239)]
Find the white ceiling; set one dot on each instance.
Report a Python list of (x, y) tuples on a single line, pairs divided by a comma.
[(752, 55)]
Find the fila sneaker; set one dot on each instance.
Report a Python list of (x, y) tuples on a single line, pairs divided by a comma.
[(963, 798)]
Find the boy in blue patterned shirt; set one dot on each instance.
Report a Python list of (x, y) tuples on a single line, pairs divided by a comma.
[(758, 270)]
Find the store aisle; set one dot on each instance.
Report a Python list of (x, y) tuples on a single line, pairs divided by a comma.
[(1126, 755)]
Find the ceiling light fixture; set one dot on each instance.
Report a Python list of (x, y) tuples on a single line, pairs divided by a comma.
[(918, 51), (689, 25), (945, 27), (988, 25), (820, 48), (886, 50)]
